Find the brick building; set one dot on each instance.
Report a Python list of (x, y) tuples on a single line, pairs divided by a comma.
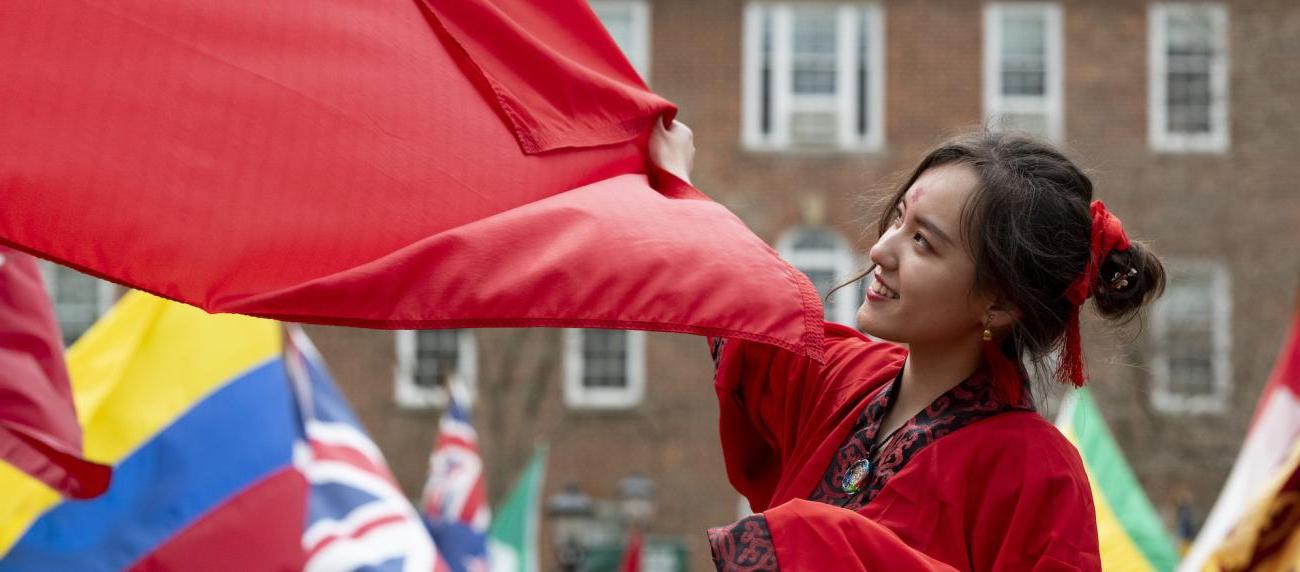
[(1184, 113)]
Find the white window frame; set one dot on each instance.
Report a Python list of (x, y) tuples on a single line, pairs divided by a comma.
[(579, 396), (105, 293), (639, 43), (782, 86), (1052, 103), (840, 261), (1163, 396), (1161, 139), (409, 395)]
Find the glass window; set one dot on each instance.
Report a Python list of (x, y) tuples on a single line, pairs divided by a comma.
[(1022, 68), (79, 299), (1191, 324), (813, 76), (628, 21), (427, 360), (827, 259), (1189, 82), (604, 369)]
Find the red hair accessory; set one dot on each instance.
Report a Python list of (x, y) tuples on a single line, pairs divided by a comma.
[(1107, 235)]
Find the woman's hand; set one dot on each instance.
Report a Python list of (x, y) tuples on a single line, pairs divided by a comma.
[(673, 149)]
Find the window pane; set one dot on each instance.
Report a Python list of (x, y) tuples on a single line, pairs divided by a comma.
[(1024, 54), (814, 52), (1189, 304), (621, 24), (815, 239), (1190, 54), (823, 280), (1191, 370), (813, 128), (604, 358), (862, 78), (76, 300), (437, 356), (765, 103)]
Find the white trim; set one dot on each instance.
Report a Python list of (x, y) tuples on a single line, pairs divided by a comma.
[(408, 395), (638, 52), (839, 261), (579, 396), (1051, 104), (1161, 139), (1164, 397), (784, 103)]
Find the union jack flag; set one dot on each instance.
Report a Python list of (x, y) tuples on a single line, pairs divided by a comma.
[(357, 517), (455, 495)]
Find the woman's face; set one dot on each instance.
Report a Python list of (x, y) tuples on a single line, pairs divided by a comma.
[(923, 259)]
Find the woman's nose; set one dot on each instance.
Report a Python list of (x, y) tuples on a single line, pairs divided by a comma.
[(880, 253)]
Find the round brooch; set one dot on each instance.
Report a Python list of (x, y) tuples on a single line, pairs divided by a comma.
[(855, 476)]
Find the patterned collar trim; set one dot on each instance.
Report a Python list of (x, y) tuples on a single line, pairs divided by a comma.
[(971, 400)]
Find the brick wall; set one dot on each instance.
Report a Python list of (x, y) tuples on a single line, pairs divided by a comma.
[(1241, 207)]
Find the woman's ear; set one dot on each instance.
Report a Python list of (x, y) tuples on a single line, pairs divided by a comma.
[(1002, 314)]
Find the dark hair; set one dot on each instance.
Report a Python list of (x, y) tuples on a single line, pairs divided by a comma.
[(1028, 227)]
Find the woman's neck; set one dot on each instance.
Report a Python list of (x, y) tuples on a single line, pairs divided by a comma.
[(929, 372)]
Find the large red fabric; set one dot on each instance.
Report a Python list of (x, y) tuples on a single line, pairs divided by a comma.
[(39, 432), (1003, 493), (376, 163)]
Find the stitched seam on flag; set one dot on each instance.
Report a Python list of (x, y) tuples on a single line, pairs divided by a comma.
[(522, 135), (670, 327)]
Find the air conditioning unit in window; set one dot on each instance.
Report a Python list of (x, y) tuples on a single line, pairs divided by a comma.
[(814, 128)]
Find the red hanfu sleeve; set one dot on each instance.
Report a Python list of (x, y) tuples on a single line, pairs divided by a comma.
[(777, 407), (810, 535)]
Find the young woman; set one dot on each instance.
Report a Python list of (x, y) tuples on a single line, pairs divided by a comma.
[(925, 451)]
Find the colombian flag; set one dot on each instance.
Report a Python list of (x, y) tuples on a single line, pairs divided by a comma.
[(222, 439), (1130, 533)]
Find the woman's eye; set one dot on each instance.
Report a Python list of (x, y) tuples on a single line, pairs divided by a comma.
[(898, 218), (921, 239)]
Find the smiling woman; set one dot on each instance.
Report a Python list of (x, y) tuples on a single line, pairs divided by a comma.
[(922, 449)]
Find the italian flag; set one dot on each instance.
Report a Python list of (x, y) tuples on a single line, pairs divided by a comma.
[(512, 538), (1131, 535)]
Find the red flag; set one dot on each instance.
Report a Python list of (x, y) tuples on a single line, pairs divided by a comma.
[(376, 163), (39, 433), (632, 556), (1271, 439)]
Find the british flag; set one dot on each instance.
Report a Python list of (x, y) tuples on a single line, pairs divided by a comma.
[(357, 517), (455, 495)]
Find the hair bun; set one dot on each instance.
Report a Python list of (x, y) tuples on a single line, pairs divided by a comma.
[(1128, 280)]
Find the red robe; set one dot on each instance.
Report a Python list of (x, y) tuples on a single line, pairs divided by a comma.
[(1007, 492)]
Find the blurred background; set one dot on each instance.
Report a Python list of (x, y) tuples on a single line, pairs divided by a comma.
[(1184, 114)]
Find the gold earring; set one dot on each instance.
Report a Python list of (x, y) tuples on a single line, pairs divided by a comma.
[(988, 334)]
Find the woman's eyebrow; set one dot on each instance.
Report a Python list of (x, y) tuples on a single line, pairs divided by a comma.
[(927, 224)]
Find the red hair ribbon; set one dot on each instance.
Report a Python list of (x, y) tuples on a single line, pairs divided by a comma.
[(1107, 235)]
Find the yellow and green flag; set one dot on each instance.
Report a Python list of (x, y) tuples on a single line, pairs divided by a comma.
[(1131, 534)]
